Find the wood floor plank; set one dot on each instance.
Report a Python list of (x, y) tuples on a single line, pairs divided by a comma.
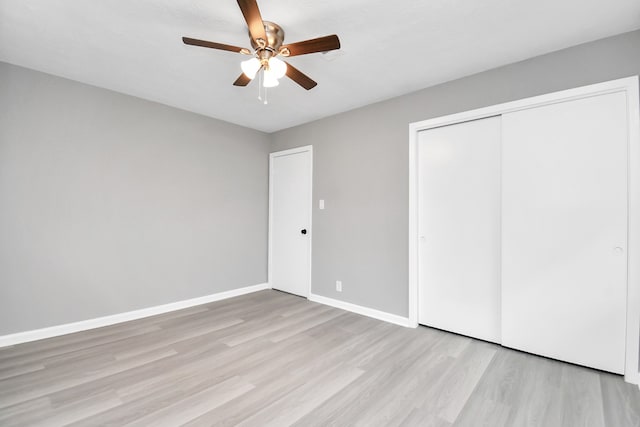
[(423, 418), (69, 344), (13, 413), (177, 384), (68, 378), (399, 394), (361, 400), (276, 324), (288, 371), (14, 371), (237, 410), (185, 410), (582, 403), (302, 400), (302, 325), (621, 404), (68, 413), (483, 412), (455, 387), (536, 400), (270, 358), (136, 375)]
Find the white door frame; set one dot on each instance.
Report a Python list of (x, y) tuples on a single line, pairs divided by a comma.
[(306, 148), (627, 85)]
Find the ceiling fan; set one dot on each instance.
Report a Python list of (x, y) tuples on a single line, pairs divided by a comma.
[(267, 41)]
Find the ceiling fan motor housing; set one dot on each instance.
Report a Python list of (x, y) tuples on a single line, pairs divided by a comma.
[(275, 38)]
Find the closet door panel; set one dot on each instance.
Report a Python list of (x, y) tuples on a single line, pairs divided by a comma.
[(459, 228), (564, 231)]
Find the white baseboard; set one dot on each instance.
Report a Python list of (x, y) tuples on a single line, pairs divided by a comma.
[(83, 325), (365, 311)]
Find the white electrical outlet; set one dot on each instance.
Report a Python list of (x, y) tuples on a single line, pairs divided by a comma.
[(339, 285)]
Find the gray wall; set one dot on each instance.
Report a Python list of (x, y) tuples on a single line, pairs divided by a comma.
[(361, 164), (110, 203)]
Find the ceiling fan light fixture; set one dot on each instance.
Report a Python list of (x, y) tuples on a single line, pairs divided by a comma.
[(270, 79), (277, 67), (250, 67)]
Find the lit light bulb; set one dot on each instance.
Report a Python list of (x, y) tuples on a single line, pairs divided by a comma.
[(270, 79), (250, 67), (278, 67)]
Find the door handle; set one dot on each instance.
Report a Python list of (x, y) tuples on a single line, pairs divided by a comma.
[(303, 231)]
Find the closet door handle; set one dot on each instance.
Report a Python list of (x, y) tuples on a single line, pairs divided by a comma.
[(303, 231)]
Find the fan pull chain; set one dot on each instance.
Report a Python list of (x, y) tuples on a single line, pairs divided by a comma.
[(260, 85), (266, 100)]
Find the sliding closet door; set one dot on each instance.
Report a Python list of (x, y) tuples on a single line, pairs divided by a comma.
[(564, 234), (459, 228)]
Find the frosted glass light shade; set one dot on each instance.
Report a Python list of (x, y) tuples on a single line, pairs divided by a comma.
[(270, 79), (250, 67), (278, 67)]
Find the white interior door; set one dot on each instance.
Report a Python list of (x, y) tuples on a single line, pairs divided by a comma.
[(459, 228), (290, 220), (564, 213)]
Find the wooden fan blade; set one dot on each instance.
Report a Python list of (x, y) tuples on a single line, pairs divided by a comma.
[(299, 77), (251, 14), (214, 45), (321, 44), (243, 80)]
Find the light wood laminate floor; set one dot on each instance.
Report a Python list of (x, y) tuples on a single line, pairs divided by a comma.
[(273, 359)]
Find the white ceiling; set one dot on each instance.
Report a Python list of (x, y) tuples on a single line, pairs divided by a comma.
[(389, 48)]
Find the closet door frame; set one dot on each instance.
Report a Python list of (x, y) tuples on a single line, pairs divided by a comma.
[(627, 85)]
